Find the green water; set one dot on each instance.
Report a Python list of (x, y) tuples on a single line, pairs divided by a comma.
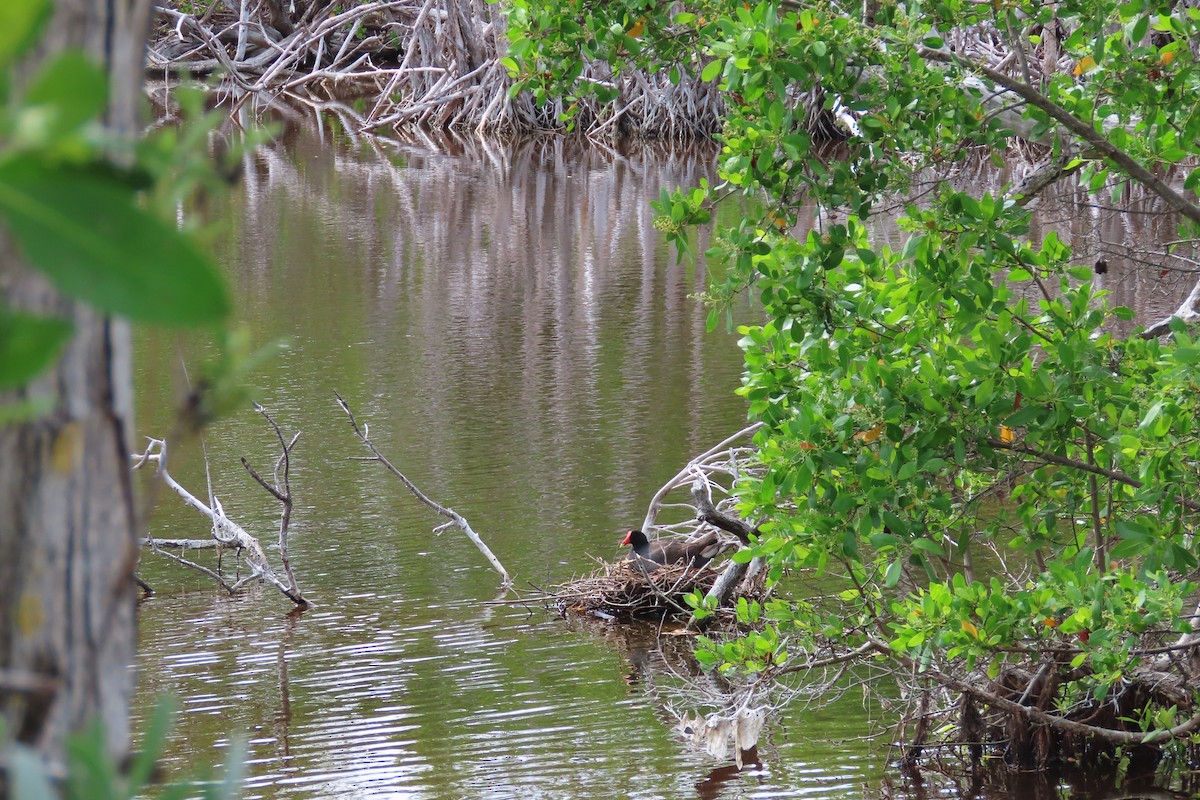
[(524, 346)]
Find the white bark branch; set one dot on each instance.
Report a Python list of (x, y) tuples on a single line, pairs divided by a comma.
[(455, 518), (686, 474), (225, 531)]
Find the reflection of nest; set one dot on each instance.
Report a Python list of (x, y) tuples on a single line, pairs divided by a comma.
[(625, 591)]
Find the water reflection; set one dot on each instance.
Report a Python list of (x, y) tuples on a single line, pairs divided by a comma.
[(521, 343), (1130, 243), (509, 323)]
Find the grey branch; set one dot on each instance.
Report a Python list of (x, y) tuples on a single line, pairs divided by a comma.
[(455, 518)]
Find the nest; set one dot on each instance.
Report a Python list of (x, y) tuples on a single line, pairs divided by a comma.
[(625, 590)]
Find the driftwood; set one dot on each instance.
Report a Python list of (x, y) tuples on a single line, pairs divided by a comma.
[(227, 534), (455, 519)]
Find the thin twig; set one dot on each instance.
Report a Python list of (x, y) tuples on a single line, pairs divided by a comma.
[(452, 515)]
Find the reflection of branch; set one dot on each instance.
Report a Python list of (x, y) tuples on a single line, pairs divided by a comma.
[(455, 518)]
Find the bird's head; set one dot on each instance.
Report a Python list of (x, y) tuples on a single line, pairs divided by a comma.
[(633, 537)]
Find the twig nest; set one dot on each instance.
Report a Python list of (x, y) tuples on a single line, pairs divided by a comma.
[(630, 590)]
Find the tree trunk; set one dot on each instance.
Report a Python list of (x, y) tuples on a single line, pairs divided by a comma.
[(67, 530)]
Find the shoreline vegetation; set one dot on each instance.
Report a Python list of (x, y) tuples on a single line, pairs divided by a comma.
[(438, 64), (904, 390)]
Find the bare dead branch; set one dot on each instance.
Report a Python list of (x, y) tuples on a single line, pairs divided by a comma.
[(225, 532), (180, 544), (685, 475), (455, 519), (281, 490)]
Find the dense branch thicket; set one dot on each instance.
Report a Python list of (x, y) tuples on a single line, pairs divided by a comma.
[(395, 63)]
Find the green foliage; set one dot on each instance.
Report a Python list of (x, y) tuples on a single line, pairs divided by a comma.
[(952, 386), (28, 344), (91, 773), (20, 25), (79, 217), (86, 232)]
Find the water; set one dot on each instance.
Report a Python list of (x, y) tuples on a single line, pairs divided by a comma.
[(525, 347), (522, 344)]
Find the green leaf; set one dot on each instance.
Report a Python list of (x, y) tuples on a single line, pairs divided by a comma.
[(892, 576), (1192, 181), (931, 547), (144, 760), (1139, 29), (91, 772), (28, 344), (235, 770), (711, 70), (1187, 355), (87, 234), (20, 23), (67, 93), (1151, 415)]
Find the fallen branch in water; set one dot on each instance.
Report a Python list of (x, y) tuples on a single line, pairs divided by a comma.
[(281, 490), (455, 518), (227, 534)]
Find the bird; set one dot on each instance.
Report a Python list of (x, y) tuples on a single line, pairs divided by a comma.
[(696, 553)]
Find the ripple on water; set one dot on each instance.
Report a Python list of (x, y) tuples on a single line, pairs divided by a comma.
[(496, 358)]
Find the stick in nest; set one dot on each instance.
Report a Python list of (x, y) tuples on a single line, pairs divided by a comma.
[(626, 590)]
